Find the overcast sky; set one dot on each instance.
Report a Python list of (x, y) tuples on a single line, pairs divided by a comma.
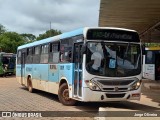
[(34, 16)]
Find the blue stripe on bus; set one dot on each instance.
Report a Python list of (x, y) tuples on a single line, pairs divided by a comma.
[(67, 71), (48, 72), (18, 70)]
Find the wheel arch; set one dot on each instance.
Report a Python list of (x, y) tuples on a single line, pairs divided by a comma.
[(65, 100), (63, 80), (29, 76)]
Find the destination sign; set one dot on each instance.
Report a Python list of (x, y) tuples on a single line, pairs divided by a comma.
[(110, 34)]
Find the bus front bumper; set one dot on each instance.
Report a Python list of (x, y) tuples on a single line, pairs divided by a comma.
[(99, 96)]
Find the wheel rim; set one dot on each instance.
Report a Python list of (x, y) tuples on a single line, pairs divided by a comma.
[(65, 94)]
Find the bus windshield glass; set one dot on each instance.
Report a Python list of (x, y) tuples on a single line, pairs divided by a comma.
[(113, 59), (9, 61)]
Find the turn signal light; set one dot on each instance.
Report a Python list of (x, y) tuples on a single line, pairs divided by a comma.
[(136, 95)]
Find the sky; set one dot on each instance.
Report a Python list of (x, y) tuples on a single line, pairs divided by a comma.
[(36, 16)]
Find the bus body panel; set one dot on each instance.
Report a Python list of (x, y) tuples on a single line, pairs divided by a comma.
[(41, 71), (47, 82), (66, 71), (18, 73), (36, 72), (53, 73)]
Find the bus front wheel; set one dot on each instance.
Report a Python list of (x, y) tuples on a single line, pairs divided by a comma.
[(30, 88), (63, 95)]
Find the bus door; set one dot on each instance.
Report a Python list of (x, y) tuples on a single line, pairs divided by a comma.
[(77, 58), (23, 68), (157, 66)]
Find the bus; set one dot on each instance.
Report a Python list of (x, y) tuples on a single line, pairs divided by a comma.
[(90, 64), (151, 63), (7, 63)]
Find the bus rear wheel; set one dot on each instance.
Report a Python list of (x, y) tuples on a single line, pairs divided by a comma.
[(30, 88), (63, 95)]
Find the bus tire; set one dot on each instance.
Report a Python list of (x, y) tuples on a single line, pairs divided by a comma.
[(63, 95), (29, 85)]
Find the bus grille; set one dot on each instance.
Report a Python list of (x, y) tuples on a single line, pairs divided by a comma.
[(117, 82), (113, 89), (115, 95)]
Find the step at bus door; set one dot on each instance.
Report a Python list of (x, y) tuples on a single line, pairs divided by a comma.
[(23, 68), (77, 58)]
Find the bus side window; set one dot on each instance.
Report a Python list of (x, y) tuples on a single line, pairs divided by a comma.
[(36, 54), (66, 50), (44, 54), (54, 53), (66, 55), (29, 55)]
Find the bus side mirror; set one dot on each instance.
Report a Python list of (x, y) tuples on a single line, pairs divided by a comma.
[(83, 49)]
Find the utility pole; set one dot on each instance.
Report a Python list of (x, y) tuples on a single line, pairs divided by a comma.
[(50, 28), (50, 25)]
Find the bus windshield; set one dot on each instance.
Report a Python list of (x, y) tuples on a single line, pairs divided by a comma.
[(9, 61), (113, 59)]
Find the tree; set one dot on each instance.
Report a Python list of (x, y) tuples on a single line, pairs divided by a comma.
[(28, 37), (48, 33), (2, 29), (9, 41)]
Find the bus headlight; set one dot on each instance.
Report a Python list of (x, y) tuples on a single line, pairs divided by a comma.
[(92, 85), (136, 85)]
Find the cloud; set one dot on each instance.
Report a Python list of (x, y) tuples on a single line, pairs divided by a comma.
[(34, 16)]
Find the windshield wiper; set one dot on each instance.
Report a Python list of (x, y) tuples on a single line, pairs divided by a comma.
[(126, 52)]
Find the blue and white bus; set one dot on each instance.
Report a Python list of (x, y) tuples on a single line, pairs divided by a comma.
[(89, 64)]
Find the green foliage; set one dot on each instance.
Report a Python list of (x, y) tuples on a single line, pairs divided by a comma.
[(2, 29), (28, 37), (48, 33), (9, 41)]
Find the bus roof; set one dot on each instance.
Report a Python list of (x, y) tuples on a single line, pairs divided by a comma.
[(54, 38), (72, 33), (43, 41), (68, 34)]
